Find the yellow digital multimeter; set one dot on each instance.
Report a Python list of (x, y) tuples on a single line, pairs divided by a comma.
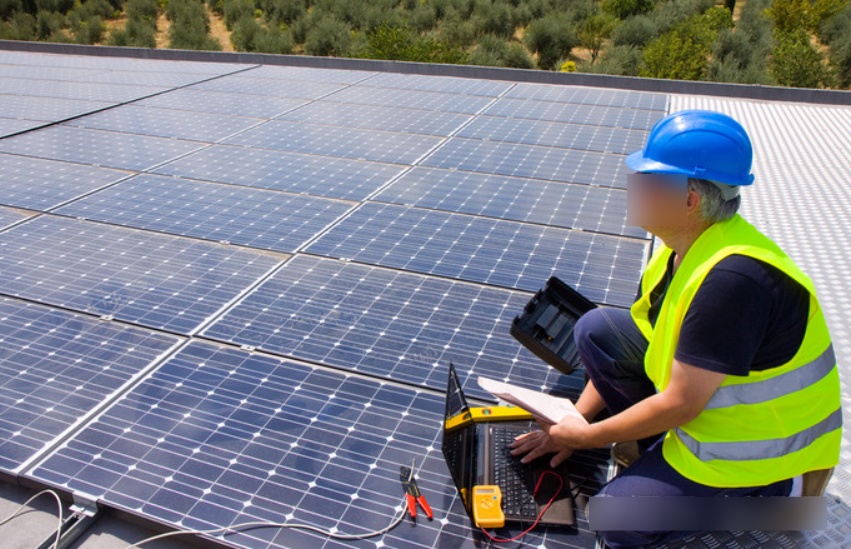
[(487, 506)]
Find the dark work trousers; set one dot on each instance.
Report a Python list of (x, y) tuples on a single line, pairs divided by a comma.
[(612, 349)]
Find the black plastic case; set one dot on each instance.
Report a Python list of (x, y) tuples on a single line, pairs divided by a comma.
[(546, 325)]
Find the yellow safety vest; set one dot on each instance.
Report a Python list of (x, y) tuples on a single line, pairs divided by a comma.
[(757, 429)]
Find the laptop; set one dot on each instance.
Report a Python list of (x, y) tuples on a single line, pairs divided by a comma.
[(475, 447)]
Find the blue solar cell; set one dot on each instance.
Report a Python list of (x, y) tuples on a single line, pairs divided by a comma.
[(307, 74), (385, 323), (337, 141), (240, 215), (43, 184), (590, 96), (590, 208), (9, 126), (56, 367), (154, 280), (115, 150), (503, 253), (112, 93), (218, 436), (246, 84), (570, 166), (555, 134), (190, 99), (9, 216), (378, 118), (155, 77), (408, 99), (170, 123), (45, 109), (577, 114), (281, 171), (463, 86)]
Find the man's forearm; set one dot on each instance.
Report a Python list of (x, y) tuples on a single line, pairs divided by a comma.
[(651, 416)]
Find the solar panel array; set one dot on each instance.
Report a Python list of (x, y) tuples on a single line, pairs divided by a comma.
[(230, 293)]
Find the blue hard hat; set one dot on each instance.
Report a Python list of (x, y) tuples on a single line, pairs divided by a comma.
[(701, 144)]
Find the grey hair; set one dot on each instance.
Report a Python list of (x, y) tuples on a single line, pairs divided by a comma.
[(714, 207)]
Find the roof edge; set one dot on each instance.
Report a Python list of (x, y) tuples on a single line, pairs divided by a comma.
[(631, 83)]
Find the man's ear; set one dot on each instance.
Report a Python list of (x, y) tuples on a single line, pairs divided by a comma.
[(693, 199)]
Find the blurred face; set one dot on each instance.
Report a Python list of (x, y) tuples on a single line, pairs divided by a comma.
[(657, 202)]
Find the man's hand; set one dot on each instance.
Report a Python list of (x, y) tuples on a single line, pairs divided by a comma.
[(560, 439)]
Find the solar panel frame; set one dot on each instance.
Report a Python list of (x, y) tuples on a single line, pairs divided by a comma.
[(40, 184), (590, 96), (497, 252), (385, 323), (420, 99), (159, 281), (194, 100), (554, 134), (343, 178), (168, 123), (572, 113), (444, 84), (10, 216), (369, 117), (267, 220), (57, 367), (567, 205), (98, 147), (320, 447), (337, 141), (530, 161)]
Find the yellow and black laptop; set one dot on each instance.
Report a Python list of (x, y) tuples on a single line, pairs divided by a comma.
[(475, 447)]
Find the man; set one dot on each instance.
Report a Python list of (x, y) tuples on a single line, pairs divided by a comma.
[(723, 369)]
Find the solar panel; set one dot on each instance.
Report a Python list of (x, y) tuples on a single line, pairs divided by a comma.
[(590, 208), (43, 184), (466, 86), (290, 74), (570, 166), (189, 99), (379, 118), (45, 109), (112, 149), (503, 253), (385, 323), (113, 93), (572, 113), (239, 215), (9, 216), (379, 146), (218, 436), (591, 96), (9, 126), (56, 367), (154, 280), (282, 171), (412, 99), (246, 84), (555, 134), (170, 123)]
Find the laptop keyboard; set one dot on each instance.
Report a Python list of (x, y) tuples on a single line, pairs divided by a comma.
[(512, 477)]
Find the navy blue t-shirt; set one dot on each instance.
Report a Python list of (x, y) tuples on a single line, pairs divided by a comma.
[(746, 315)]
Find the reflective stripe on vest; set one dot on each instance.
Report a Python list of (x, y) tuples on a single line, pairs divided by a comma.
[(761, 449), (775, 387)]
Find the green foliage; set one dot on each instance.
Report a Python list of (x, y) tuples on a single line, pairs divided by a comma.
[(283, 11), (328, 37), (635, 31), (683, 52), (789, 16), (249, 35), (626, 8), (190, 26), (49, 25), (617, 60), (797, 63), (20, 26), (9, 7), (234, 10), (403, 44), (491, 51), (56, 6), (836, 31), (456, 31), (552, 38), (594, 31)]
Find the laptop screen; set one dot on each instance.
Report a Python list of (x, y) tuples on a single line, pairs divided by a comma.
[(459, 443)]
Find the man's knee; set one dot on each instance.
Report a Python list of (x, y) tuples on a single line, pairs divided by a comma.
[(591, 328)]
